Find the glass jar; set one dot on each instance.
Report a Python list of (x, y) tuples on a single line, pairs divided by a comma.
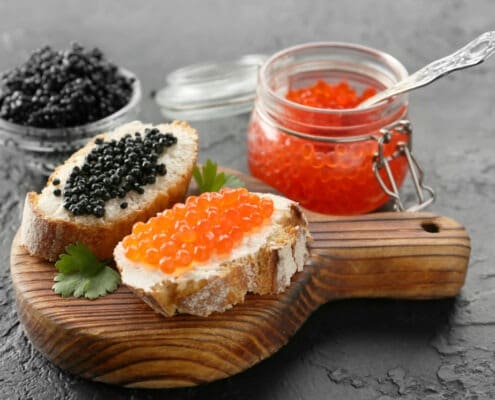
[(340, 162), (42, 149)]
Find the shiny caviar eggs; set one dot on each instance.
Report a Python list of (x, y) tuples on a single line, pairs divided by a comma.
[(212, 223)]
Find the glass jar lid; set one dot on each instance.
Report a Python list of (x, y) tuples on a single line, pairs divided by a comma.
[(211, 90)]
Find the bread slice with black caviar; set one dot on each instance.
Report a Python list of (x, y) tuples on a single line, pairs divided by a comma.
[(48, 226)]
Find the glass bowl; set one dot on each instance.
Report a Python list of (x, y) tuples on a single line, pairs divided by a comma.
[(42, 149)]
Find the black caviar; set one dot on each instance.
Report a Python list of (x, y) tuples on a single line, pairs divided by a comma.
[(114, 168), (56, 89)]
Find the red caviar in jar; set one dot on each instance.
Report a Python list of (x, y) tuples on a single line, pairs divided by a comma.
[(209, 224), (332, 178), (325, 95), (308, 139)]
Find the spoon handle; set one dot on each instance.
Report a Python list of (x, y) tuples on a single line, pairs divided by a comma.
[(472, 54)]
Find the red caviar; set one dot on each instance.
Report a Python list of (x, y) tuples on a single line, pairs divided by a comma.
[(332, 178), (325, 95), (212, 223)]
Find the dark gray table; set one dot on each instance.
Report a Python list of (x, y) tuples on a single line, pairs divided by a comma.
[(346, 350)]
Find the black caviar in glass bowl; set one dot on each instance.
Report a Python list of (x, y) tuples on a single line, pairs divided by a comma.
[(42, 149)]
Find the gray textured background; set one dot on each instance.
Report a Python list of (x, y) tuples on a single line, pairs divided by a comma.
[(347, 350)]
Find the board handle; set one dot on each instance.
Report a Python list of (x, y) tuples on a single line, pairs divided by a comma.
[(388, 255)]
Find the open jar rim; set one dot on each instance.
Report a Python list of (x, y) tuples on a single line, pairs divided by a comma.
[(40, 139), (395, 65)]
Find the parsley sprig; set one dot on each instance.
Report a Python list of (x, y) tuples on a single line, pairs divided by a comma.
[(208, 180), (81, 274)]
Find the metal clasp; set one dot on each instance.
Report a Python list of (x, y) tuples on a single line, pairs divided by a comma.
[(425, 194)]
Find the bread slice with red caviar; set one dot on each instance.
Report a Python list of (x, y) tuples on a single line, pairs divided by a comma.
[(48, 226), (262, 261)]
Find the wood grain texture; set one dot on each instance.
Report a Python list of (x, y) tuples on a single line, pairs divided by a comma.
[(118, 339)]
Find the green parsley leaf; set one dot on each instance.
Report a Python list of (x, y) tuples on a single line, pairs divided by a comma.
[(82, 274), (208, 180), (77, 258)]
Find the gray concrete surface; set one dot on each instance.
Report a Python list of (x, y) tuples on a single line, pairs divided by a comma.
[(347, 350)]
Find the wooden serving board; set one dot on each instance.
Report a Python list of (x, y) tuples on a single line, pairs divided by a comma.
[(118, 339)]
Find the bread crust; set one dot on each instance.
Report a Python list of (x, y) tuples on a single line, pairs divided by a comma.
[(47, 237), (267, 271)]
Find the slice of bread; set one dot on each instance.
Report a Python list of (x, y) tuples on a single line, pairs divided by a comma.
[(47, 227), (262, 263)]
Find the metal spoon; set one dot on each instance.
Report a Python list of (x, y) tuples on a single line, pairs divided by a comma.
[(473, 53)]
